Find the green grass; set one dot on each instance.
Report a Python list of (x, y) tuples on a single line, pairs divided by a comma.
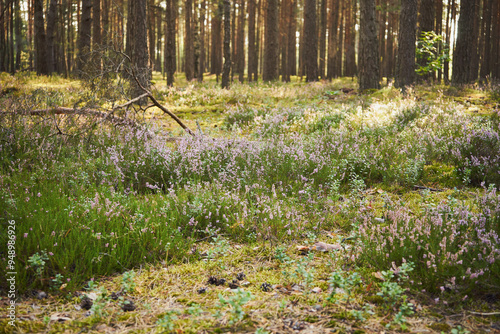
[(279, 165)]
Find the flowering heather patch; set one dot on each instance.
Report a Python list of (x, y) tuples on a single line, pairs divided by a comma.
[(124, 196), (453, 245)]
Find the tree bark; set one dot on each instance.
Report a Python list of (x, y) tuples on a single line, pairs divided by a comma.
[(292, 48), (332, 40), (201, 66), (464, 52), (51, 27), (188, 42), (495, 37), (350, 38), (405, 71), (369, 67), (322, 39), (170, 45), (271, 47), (137, 47), (96, 21), (41, 64), (310, 41), (227, 47), (84, 35), (241, 41), (216, 58), (252, 50)]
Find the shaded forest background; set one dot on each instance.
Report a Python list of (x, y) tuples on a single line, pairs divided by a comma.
[(268, 39)]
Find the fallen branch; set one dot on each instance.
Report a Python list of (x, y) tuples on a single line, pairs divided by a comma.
[(484, 314), (427, 188), (86, 112), (148, 93), (156, 103), (109, 116)]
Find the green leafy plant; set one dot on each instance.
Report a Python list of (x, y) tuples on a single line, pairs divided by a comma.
[(128, 284), (57, 281), (37, 262), (346, 284), (233, 305), (432, 52), (167, 321)]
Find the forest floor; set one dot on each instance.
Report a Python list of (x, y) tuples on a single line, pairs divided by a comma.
[(297, 208)]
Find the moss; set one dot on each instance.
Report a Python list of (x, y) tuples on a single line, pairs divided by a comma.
[(440, 326), (311, 319), (331, 324), (374, 299), (442, 174)]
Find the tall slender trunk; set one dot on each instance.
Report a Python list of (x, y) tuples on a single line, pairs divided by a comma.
[(227, 47), (310, 41), (485, 64), (201, 66), (405, 69), (322, 39), (332, 39), (51, 27), (369, 67), (241, 41), (84, 35), (271, 48), (188, 41), (464, 52), (292, 49), (252, 56), (41, 64), (170, 45)]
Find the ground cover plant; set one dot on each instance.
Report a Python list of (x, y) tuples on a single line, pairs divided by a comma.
[(143, 228)]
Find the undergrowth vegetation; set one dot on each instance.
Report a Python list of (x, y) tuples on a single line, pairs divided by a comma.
[(290, 162)]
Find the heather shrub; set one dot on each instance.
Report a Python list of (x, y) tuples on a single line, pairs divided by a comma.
[(453, 245)]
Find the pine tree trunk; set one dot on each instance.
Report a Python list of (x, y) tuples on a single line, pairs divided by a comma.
[(137, 46), (159, 31), (369, 71), (310, 41), (495, 37), (151, 32), (450, 17), (322, 39), (51, 27), (332, 39), (40, 39), (227, 47), (271, 47), (84, 35), (201, 66), (474, 68), (105, 35), (405, 70), (188, 41), (350, 48), (216, 58), (19, 39), (241, 41), (485, 64), (292, 48), (96, 20), (234, 44), (170, 45), (426, 19), (439, 31), (340, 39), (252, 55), (464, 52)]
